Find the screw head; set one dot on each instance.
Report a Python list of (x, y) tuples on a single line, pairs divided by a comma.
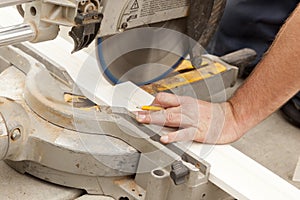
[(16, 134)]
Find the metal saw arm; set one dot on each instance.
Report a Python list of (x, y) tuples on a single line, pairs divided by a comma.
[(90, 19)]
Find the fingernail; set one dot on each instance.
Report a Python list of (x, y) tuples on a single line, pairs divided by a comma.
[(164, 139), (141, 117)]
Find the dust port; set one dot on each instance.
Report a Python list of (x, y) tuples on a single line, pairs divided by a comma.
[(83, 2), (123, 198), (124, 25), (33, 11)]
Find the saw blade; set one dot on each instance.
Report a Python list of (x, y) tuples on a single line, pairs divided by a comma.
[(143, 55)]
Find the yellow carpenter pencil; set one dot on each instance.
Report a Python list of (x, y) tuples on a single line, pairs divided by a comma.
[(151, 108)]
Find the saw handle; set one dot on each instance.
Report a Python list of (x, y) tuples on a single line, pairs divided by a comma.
[(240, 58)]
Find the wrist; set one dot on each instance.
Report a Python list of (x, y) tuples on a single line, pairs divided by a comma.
[(233, 124)]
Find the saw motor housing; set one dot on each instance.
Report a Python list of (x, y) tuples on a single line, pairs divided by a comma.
[(90, 19)]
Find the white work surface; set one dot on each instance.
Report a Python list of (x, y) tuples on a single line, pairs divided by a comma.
[(296, 176), (231, 170)]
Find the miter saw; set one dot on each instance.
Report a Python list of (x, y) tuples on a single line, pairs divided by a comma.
[(101, 149)]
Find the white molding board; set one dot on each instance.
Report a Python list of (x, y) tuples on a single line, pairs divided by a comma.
[(242, 177), (231, 170)]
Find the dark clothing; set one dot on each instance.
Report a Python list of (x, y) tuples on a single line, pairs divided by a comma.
[(250, 23), (254, 24)]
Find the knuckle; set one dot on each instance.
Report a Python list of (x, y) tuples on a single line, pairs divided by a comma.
[(202, 128), (170, 117), (159, 97), (187, 101)]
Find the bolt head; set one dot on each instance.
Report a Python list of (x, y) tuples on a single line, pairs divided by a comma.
[(16, 134)]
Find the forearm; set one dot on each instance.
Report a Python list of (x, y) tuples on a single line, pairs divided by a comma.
[(275, 80)]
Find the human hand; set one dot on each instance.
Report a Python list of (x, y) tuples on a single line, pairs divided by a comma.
[(198, 120)]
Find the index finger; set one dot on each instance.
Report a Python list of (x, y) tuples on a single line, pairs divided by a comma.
[(166, 100)]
